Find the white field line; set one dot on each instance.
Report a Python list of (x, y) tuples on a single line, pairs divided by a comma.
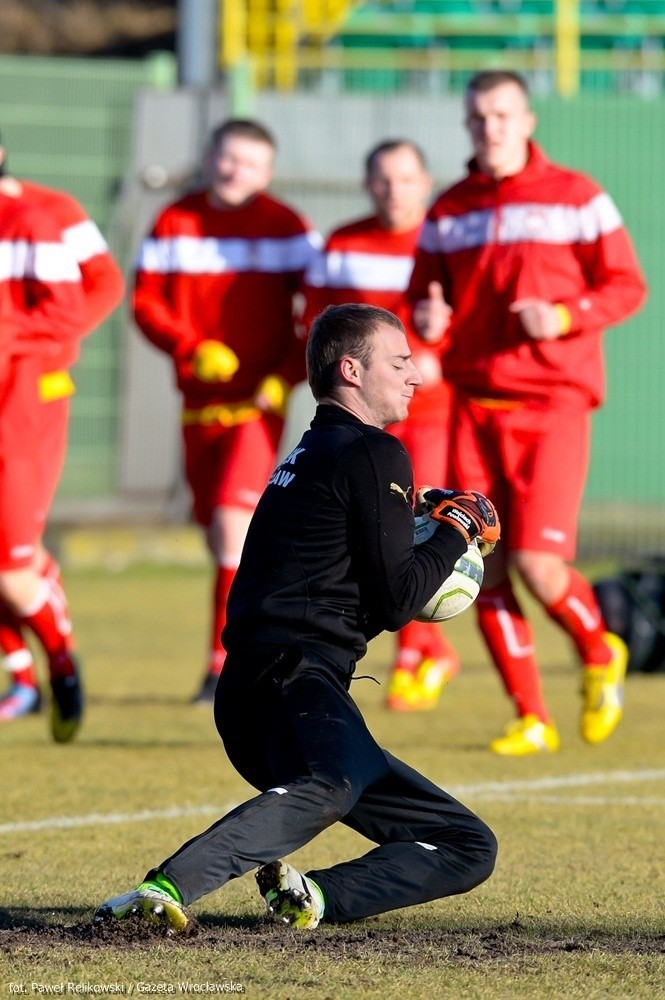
[(497, 791), (585, 800), (493, 788), (108, 819)]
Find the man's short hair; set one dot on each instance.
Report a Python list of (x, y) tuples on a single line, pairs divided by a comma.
[(389, 146), (247, 128), (490, 78), (338, 331)]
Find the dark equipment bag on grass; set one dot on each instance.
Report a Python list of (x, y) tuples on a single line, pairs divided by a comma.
[(633, 605)]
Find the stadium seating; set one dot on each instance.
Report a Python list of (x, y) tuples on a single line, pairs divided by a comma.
[(386, 44), (626, 35)]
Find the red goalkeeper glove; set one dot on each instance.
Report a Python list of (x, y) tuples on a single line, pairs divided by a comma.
[(471, 513)]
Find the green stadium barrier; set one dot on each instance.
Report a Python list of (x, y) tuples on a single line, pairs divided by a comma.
[(67, 123)]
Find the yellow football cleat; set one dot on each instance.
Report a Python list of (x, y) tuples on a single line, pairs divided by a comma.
[(149, 903), (602, 693), (403, 692), (420, 691), (527, 735), (291, 898)]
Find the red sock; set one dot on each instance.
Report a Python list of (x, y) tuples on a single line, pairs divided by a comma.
[(48, 618), (424, 639), (509, 638), (217, 654), (16, 655), (577, 612)]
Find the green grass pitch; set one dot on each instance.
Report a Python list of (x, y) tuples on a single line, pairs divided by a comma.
[(574, 909)]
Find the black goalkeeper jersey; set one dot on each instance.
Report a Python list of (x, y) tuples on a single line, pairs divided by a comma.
[(329, 559)]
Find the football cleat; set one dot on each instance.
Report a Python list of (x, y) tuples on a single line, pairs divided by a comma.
[(527, 735), (66, 705), (420, 691), (148, 902), (602, 693), (291, 898), (18, 700)]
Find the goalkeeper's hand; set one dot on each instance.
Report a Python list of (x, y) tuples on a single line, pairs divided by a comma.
[(213, 361), (471, 513)]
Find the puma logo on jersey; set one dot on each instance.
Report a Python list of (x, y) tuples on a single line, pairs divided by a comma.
[(406, 493)]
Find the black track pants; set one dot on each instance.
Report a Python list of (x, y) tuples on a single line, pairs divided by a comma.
[(293, 731)]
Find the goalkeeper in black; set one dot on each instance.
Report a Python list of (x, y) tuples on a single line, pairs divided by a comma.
[(329, 562)]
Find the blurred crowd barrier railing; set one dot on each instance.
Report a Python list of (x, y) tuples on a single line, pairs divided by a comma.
[(435, 44)]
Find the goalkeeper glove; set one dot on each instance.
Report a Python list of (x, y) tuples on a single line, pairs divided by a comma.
[(471, 513), (213, 361)]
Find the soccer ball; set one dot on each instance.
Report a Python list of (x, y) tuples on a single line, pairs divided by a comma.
[(458, 591)]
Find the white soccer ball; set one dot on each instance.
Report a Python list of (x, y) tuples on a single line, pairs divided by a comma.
[(458, 591)]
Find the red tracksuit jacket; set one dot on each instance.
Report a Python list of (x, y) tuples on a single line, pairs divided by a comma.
[(102, 280), (547, 232), (42, 307), (205, 273), (363, 262)]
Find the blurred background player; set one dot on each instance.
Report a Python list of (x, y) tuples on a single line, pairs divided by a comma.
[(52, 296), (370, 260), (214, 288), (520, 266)]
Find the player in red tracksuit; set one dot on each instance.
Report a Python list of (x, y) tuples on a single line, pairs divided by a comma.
[(103, 286), (41, 314), (215, 283), (520, 267), (370, 260)]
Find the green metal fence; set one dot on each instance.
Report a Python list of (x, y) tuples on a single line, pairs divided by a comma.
[(621, 142), (67, 123)]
